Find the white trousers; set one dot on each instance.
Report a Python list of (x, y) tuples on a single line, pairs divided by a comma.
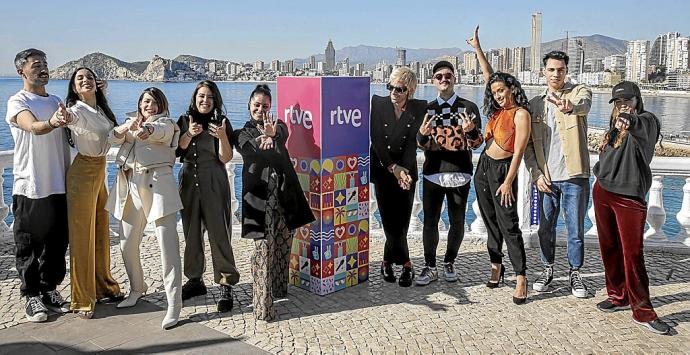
[(132, 228)]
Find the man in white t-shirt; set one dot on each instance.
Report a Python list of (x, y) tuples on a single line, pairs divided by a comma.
[(41, 159)]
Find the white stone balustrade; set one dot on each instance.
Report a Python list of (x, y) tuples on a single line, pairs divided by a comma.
[(654, 237)]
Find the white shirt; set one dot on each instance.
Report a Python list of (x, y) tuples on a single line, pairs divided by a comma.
[(40, 161), (90, 128)]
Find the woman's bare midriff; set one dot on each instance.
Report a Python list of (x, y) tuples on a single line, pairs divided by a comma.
[(495, 152)]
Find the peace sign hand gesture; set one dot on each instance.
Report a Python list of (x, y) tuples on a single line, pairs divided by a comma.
[(564, 105), (269, 128), (467, 123), (425, 128)]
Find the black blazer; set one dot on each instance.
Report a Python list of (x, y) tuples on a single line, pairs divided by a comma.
[(255, 171), (394, 141)]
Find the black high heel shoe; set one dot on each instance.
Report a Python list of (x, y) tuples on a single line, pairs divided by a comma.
[(522, 300), (501, 279), (387, 272)]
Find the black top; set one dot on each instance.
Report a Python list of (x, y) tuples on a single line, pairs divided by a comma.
[(438, 159), (202, 143), (393, 140), (258, 164), (625, 170)]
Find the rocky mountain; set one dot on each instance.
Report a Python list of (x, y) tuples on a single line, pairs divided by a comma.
[(596, 46), (104, 66)]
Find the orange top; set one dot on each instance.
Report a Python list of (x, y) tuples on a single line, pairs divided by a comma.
[(501, 128)]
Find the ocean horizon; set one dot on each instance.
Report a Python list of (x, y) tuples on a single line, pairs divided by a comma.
[(123, 95)]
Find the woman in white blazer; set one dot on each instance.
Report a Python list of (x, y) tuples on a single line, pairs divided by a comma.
[(145, 191)]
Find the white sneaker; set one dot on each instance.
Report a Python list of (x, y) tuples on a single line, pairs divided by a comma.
[(577, 286), (544, 280), (427, 275), (449, 273)]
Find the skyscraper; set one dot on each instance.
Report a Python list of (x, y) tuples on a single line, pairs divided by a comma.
[(402, 58), (575, 48), (661, 52), (471, 63), (312, 62), (519, 59), (636, 60), (505, 59), (329, 54), (535, 49)]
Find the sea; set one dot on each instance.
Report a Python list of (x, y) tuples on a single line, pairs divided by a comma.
[(123, 96)]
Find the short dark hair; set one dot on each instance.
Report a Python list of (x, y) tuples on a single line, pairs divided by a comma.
[(157, 95), (557, 55), (22, 57)]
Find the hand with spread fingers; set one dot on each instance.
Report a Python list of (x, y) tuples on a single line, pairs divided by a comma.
[(564, 105), (269, 127)]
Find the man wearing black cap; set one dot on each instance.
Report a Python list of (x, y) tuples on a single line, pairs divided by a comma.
[(450, 130), (558, 160)]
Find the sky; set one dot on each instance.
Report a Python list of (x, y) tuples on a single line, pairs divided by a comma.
[(264, 30)]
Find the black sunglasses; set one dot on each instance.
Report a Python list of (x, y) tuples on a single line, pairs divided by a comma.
[(440, 76), (399, 90)]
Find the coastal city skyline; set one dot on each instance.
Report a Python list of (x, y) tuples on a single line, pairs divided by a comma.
[(135, 31)]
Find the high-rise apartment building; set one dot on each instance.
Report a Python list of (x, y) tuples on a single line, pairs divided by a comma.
[(402, 58), (471, 64), (575, 48), (615, 63), (505, 64), (288, 66), (259, 65), (312, 62), (329, 55), (519, 59), (636, 60), (275, 65), (593, 65), (535, 49), (661, 52), (678, 58)]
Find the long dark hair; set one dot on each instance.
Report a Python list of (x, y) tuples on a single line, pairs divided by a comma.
[(519, 96), (218, 107), (101, 101)]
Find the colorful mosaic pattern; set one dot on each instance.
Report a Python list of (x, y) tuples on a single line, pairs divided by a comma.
[(333, 253)]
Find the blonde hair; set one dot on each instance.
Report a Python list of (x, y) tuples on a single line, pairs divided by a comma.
[(408, 77)]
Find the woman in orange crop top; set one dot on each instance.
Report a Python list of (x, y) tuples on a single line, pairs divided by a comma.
[(495, 183)]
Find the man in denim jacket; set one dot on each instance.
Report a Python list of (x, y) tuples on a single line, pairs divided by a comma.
[(558, 160)]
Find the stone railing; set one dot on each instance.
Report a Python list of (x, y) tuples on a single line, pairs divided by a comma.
[(655, 238)]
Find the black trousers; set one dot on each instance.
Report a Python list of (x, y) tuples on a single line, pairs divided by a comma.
[(502, 222), (40, 238), (433, 195), (395, 207)]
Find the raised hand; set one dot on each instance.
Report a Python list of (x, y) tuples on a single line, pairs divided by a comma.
[(622, 123), (474, 40), (467, 123), (564, 105), (218, 132), (102, 84), (269, 128), (194, 127), (62, 116), (425, 128)]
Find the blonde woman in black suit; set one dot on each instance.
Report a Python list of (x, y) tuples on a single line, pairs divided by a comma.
[(395, 120)]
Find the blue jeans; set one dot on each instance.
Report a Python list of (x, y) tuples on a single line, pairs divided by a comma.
[(572, 195)]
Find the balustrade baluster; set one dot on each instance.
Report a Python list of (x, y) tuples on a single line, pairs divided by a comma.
[(234, 204), (656, 215), (4, 209), (416, 223), (441, 224), (373, 207), (478, 227), (683, 215)]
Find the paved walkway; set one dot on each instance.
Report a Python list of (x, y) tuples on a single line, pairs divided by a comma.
[(376, 317)]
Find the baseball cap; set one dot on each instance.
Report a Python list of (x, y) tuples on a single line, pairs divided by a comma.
[(624, 90)]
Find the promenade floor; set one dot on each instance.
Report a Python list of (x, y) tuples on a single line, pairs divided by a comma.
[(375, 317)]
